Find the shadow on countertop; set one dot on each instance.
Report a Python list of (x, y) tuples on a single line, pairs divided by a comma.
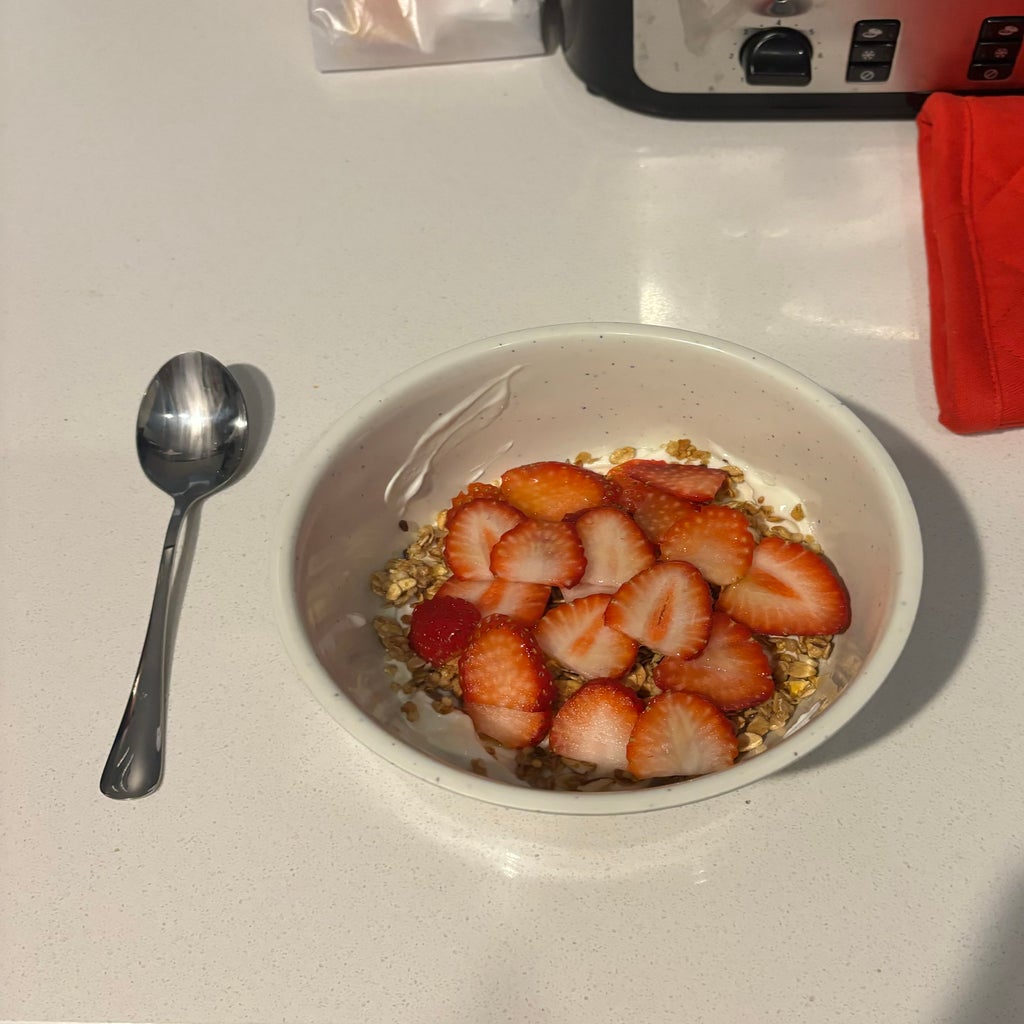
[(259, 405), (994, 993), (951, 597), (259, 408)]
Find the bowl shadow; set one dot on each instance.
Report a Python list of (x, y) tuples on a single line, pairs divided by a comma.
[(994, 994), (951, 598)]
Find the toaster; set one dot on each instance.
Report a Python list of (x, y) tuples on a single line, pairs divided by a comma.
[(792, 58)]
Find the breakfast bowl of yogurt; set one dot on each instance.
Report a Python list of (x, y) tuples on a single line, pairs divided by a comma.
[(596, 568)]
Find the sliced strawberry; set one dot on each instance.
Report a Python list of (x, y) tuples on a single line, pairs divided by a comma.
[(540, 552), (732, 670), (509, 727), (552, 490), (595, 724), (441, 628), (654, 511), (473, 530), (575, 634), (473, 491), (680, 734), (714, 538), (503, 667), (524, 601), (614, 546), (692, 483), (613, 490), (790, 590), (666, 608)]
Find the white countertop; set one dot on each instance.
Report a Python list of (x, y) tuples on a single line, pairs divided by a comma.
[(177, 176)]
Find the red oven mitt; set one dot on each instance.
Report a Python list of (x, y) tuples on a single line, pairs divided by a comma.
[(971, 155)]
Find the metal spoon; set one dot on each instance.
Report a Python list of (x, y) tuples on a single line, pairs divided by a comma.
[(191, 436)]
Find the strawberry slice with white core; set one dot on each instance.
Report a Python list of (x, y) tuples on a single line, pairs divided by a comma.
[(714, 538), (680, 734), (503, 667), (473, 530), (595, 724), (654, 511), (552, 490), (524, 601), (789, 591), (692, 483), (540, 552), (666, 608), (576, 636), (732, 670), (509, 727), (614, 546)]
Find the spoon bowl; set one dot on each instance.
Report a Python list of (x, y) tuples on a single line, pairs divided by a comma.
[(192, 427), (191, 437)]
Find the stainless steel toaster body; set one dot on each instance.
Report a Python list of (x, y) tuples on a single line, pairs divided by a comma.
[(793, 58)]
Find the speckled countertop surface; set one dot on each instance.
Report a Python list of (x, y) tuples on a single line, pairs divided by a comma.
[(178, 176)]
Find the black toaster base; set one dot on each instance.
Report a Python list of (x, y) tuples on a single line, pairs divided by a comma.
[(889, 106)]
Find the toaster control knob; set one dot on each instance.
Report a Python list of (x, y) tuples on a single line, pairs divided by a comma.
[(777, 56)]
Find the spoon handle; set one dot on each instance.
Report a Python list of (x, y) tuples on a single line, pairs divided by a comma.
[(136, 760)]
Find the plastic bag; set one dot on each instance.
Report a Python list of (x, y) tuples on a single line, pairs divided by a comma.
[(349, 35)]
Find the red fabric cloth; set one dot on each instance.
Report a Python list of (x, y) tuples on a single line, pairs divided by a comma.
[(971, 156)]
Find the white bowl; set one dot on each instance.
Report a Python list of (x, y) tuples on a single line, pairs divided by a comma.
[(470, 413)]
